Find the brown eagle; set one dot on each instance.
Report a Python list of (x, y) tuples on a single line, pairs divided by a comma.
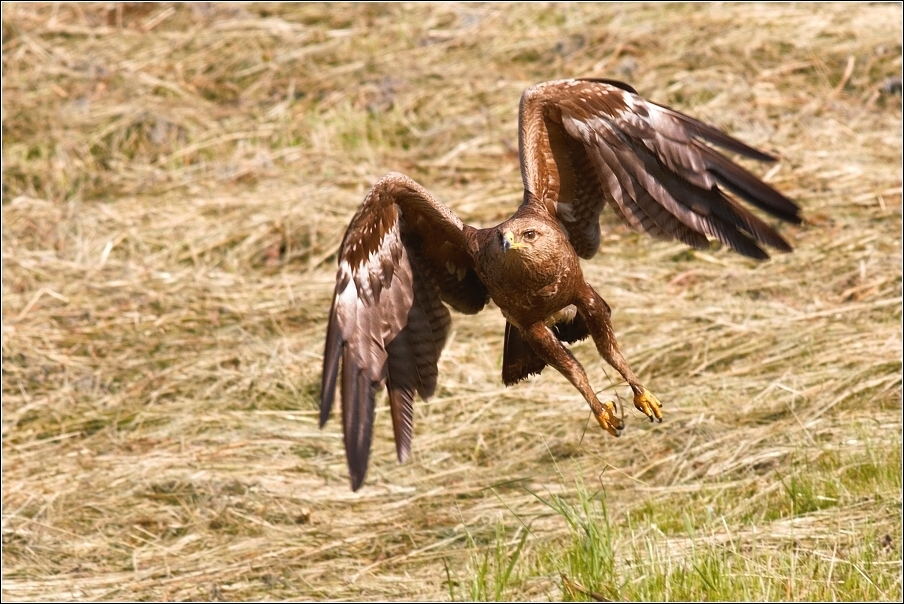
[(583, 143)]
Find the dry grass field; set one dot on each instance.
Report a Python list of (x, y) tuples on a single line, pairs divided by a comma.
[(176, 182)]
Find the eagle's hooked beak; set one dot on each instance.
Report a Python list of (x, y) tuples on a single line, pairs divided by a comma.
[(508, 242)]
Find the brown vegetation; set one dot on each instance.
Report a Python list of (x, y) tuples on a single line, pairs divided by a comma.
[(176, 181)]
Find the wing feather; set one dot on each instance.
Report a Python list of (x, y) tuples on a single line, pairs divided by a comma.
[(650, 162), (403, 254), (635, 201), (659, 193)]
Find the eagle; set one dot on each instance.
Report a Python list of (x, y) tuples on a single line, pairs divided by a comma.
[(583, 144)]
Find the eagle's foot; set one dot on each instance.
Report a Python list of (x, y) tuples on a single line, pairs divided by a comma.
[(606, 418), (648, 404)]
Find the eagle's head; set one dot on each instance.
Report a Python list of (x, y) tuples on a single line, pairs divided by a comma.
[(531, 241)]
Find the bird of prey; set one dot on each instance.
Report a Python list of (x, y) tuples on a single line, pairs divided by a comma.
[(583, 144)]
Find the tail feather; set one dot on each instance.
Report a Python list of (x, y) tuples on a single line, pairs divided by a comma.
[(519, 360)]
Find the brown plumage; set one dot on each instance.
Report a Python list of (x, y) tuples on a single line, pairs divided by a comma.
[(583, 143)]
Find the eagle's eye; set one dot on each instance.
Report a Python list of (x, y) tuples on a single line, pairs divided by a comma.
[(529, 235)]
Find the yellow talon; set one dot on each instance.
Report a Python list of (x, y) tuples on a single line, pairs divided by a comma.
[(607, 419), (648, 404)]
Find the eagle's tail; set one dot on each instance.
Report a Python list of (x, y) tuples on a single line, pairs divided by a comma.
[(518, 358)]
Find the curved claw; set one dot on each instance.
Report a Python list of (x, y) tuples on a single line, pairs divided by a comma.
[(649, 405), (607, 419)]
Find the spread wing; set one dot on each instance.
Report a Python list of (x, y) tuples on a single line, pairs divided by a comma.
[(403, 255), (585, 142)]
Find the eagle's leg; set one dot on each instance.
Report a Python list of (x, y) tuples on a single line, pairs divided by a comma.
[(551, 350), (596, 313)]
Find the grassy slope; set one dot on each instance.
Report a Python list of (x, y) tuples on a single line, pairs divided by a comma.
[(176, 180)]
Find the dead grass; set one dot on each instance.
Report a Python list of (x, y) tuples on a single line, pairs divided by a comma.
[(177, 178)]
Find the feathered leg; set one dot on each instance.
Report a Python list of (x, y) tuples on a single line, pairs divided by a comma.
[(596, 313), (551, 350)]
